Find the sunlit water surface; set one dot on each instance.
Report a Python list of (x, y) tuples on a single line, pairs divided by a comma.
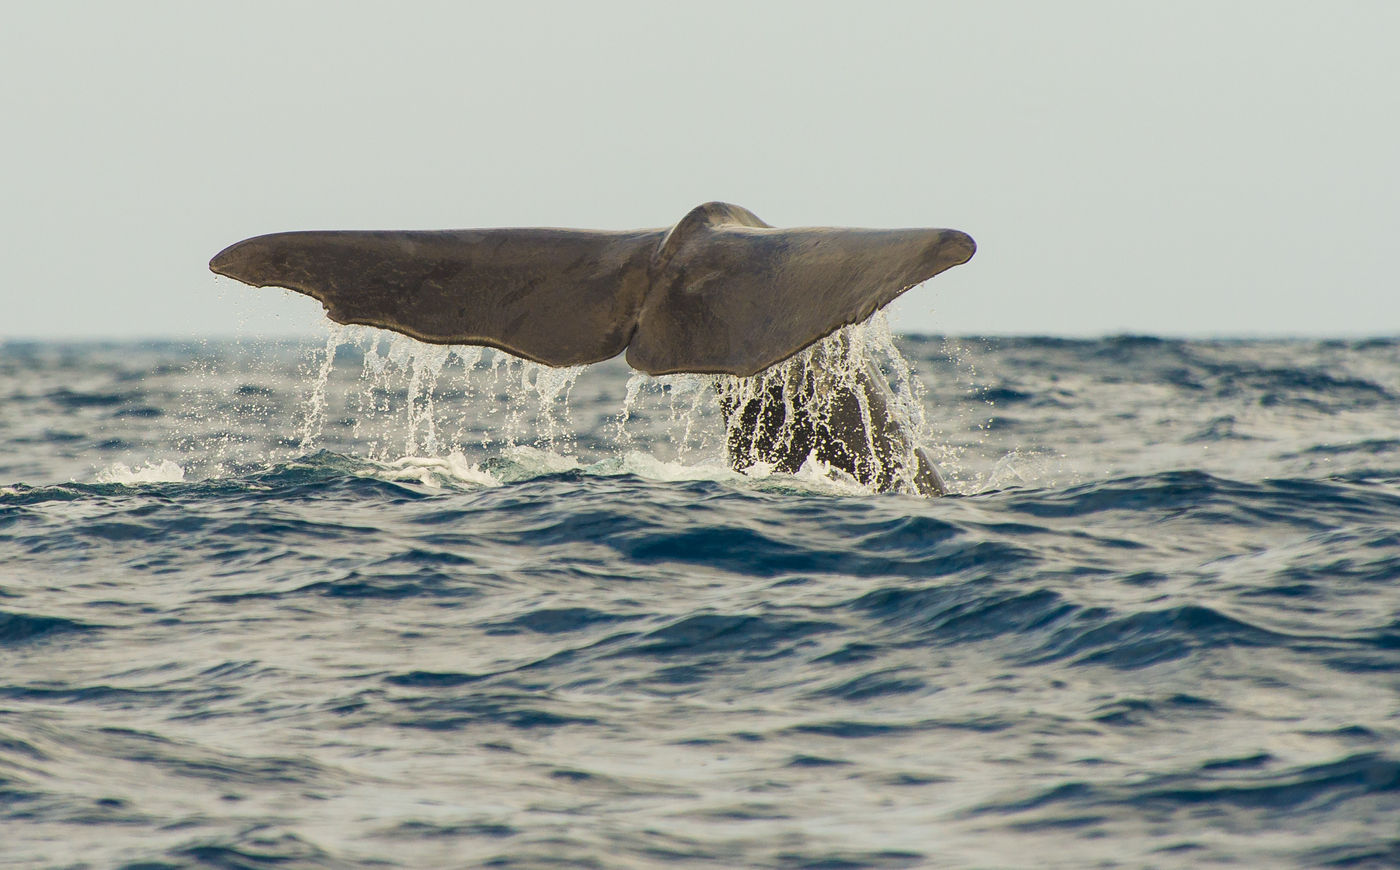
[(262, 605)]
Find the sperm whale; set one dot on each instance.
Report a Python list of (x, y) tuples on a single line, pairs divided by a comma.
[(721, 292)]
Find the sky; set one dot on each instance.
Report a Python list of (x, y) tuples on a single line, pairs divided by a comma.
[(1217, 168)]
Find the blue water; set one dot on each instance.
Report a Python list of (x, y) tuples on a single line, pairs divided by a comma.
[(265, 607)]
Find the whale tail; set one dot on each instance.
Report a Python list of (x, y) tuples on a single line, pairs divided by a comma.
[(720, 292)]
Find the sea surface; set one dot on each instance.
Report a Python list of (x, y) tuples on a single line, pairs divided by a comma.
[(361, 603)]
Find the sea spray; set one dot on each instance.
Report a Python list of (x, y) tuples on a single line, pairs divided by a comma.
[(964, 429), (383, 397), (315, 409), (550, 388), (280, 400), (414, 399), (417, 399), (424, 365), (684, 408)]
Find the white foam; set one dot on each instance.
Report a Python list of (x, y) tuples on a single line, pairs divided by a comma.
[(455, 470), (437, 472), (816, 475), (539, 461), (813, 477), (649, 467), (164, 471)]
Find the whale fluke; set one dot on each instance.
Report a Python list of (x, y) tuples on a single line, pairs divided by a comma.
[(720, 292), (730, 294), (558, 297)]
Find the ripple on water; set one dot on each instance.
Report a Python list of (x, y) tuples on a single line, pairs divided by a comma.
[(1172, 643)]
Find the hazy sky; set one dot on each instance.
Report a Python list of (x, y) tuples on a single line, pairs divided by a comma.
[(1174, 167)]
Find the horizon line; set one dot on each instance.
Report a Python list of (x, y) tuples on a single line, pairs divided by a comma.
[(303, 335)]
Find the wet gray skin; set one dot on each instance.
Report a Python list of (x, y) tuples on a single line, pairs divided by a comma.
[(845, 418), (721, 292)]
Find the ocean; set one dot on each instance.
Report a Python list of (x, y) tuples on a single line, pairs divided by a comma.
[(362, 603)]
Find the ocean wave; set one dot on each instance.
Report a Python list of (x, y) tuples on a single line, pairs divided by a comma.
[(1157, 624), (23, 627), (1231, 785)]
